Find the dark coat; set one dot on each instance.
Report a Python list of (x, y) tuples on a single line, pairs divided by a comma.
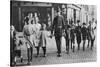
[(84, 33), (78, 34), (72, 34), (89, 32), (58, 25)]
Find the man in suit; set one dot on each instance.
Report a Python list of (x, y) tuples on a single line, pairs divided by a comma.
[(58, 26)]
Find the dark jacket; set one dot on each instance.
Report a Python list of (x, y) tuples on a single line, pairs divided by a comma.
[(78, 31), (78, 34), (58, 25), (72, 34), (84, 33)]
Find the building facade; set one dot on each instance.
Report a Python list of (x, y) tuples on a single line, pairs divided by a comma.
[(20, 9)]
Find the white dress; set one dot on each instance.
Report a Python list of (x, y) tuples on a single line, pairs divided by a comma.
[(43, 38), (38, 34)]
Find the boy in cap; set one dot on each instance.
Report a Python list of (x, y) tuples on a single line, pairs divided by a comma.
[(78, 34), (84, 35)]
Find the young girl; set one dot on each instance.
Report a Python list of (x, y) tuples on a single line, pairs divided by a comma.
[(43, 39)]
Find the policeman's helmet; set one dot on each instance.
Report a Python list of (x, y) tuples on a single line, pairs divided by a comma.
[(84, 23)]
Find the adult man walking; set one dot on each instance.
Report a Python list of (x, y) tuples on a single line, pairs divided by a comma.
[(58, 26)]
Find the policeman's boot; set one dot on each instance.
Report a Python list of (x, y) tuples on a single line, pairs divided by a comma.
[(44, 51), (59, 53)]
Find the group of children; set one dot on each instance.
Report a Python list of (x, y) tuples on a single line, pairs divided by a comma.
[(34, 35)]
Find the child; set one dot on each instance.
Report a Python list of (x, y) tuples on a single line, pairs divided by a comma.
[(29, 53), (43, 35), (17, 51), (42, 40)]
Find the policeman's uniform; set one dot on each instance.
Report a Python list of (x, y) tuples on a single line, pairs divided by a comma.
[(58, 26)]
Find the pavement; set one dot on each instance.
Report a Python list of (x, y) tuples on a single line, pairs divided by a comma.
[(51, 58)]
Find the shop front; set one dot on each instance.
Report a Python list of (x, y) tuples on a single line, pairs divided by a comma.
[(21, 9), (73, 12)]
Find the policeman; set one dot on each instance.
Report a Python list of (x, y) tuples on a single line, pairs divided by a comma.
[(78, 34), (58, 26), (84, 35)]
